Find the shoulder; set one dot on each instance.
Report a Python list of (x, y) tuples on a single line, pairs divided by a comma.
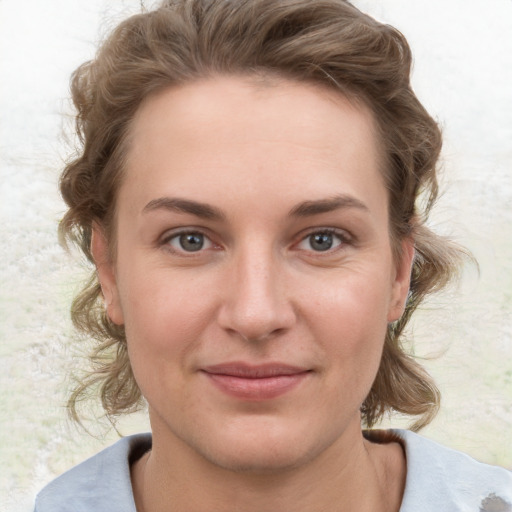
[(442, 479), (101, 483)]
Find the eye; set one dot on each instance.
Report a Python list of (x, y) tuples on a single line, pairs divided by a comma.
[(190, 241), (322, 241)]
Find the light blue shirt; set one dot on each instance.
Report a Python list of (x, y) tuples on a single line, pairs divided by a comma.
[(438, 480)]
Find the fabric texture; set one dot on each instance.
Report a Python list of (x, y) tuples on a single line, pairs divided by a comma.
[(438, 480)]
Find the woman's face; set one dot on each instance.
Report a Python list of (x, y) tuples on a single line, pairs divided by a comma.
[(254, 273)]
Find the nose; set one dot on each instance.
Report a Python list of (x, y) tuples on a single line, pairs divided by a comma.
[(256, 301)]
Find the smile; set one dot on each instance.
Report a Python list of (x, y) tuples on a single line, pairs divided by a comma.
[(255, 383)]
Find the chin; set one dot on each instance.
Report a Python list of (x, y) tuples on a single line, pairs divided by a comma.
[(269, 449), (262, 459)]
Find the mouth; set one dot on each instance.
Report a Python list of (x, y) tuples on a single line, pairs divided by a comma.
[(255, 382)]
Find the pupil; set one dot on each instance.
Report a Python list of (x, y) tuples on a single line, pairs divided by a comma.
[(321, 241), (192, 242)]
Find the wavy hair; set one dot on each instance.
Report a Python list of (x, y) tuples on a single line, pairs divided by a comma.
[(326, 42)]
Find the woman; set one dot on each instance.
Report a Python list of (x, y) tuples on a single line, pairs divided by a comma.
[(247, 192)]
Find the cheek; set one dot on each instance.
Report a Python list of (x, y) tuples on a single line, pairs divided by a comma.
[(163, 322), (351, 323), (353, 302)]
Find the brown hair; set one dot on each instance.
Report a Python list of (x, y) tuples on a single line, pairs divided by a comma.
[(326, 42)]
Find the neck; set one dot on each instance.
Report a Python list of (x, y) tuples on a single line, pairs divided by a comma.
[(356, 475)]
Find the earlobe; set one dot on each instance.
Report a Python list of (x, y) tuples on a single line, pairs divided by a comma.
[(106, 274), (402, 281)]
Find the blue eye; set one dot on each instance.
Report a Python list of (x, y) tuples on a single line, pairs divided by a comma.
[(321, 241), (189, 242)]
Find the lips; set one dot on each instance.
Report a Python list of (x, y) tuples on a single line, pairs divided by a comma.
[(255, 382)]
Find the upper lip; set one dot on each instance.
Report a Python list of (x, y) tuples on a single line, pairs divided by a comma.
[(251, 371)]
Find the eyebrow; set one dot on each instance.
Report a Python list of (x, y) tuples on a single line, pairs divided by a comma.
[(310, 208), (174, 204), (206, 211)]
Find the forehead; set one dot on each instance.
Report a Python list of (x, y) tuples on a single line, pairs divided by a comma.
[(243, 134), (230, 101)]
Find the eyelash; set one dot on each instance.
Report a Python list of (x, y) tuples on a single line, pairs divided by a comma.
[(166, 241), (343, 237)]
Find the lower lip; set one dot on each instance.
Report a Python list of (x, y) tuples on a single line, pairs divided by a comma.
[(256, 389)]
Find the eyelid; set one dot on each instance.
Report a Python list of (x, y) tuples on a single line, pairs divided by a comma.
[(345, 238), (164, 240)]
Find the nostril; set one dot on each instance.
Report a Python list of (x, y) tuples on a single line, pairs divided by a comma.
[(263, 337), (256, 326)]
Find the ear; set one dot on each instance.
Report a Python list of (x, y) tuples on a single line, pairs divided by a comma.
[(106, 274), (401, 281)]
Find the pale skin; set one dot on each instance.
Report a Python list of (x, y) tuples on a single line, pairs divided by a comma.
[(252, 230)]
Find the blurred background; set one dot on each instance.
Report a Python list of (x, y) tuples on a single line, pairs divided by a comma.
[(463, 75)]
